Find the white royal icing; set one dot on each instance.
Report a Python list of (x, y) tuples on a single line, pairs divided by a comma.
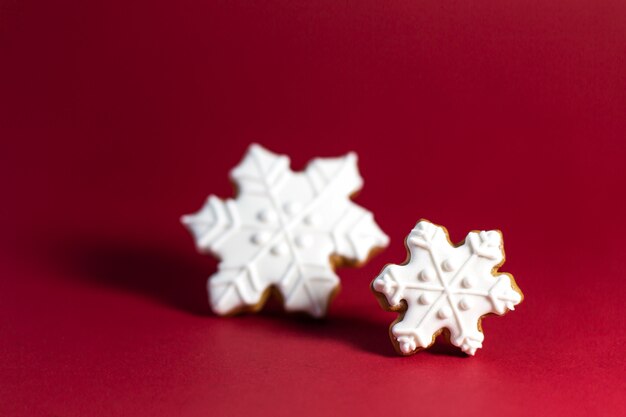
[(447, 287), (281, 230)]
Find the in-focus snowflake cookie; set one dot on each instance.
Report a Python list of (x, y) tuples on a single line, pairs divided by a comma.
[(285, 231), (446, 287)]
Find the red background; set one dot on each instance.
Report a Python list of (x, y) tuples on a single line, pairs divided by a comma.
[(116, 117)]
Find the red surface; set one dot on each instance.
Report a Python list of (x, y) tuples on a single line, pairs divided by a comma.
[(116, 117)]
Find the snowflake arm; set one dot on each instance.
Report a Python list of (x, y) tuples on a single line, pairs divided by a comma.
[(213, 223), (446, 287), (281, 230)]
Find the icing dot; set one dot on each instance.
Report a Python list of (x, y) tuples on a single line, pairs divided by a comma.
[(426, 275), (465, 304), (260, 238), (266, 216), (444, 312), (407, 344), (312, 220), (466, 282), (448, 265), (425, 299), (292, 207), (279, 249), (304, 241)]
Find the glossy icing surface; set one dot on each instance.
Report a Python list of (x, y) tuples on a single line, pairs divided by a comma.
[(445, 286)]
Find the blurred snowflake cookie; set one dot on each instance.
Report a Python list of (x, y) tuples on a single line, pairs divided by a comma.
[(443, 287), (284, 231)]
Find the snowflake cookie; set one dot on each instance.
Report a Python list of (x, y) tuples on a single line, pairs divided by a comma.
[(442, 286), (285, 231)]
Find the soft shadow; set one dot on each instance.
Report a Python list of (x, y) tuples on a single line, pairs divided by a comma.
[(363, 333), (178, 279), (162, 273), (358, 331)]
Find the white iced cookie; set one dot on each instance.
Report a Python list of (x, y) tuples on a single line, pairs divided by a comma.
[(283, 231), (446, 287)]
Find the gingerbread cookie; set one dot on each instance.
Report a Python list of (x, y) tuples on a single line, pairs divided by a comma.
[(285, 231), (442, 286)]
